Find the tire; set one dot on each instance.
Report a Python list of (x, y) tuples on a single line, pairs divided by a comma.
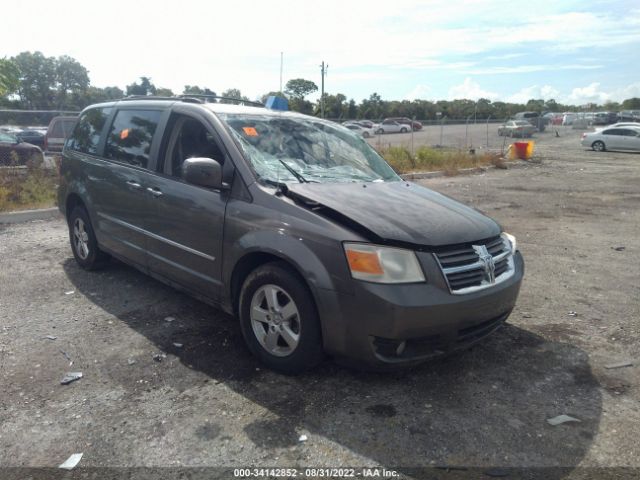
[(598, 146), (403, 130), (290, 341), (379, 131), (83, 241), (365, 134)]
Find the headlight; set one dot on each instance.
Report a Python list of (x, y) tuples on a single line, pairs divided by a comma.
[(511, 239), (378, 264)]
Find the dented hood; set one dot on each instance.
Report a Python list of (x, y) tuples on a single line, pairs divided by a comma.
[(400, 212)]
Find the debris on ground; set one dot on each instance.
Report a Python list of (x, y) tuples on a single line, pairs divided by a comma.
[(71, 377), (303, 438), (70, 292), (131, 361), (526, 315), (618, 249), (560, 419), (178, 345), (169, 319), (50, 337), (572, 313), (71, 462), (158, 357), (626, 363), (66, 355)]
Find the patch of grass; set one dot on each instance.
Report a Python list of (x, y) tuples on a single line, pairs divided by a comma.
[(22, 189), (428, 159)]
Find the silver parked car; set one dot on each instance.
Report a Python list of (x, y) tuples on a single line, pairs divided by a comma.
[(516, 128), (360, 130), (618, 138), (391, 126)]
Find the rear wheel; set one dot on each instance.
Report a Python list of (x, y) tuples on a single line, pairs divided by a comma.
[(403, 130), (279, 320), (83, 241), (598, 146), (379, 131), (365, 134)]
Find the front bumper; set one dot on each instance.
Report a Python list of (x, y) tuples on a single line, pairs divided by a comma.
[(406, 324)]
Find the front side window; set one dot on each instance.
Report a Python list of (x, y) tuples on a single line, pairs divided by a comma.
[(129, 139), (316, 150), (86, 136)]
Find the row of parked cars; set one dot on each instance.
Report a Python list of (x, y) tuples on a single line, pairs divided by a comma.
[(367, 128), (18, 145)]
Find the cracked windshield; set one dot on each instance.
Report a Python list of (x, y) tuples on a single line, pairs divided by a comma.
[(287, 149)]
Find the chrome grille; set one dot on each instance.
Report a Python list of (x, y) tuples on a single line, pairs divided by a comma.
[(473, 267)]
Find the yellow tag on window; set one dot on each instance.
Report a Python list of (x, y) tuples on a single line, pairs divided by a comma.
[(250, 131), (124, 134)]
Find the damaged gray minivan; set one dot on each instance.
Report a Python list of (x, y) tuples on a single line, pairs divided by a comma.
[(292, 223)]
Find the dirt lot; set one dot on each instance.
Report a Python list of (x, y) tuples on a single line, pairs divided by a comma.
[(208, 403)]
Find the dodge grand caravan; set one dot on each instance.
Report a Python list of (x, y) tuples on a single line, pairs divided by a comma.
[(293, 224)]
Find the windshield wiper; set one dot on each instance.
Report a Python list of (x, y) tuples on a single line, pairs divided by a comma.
[(298, 176)]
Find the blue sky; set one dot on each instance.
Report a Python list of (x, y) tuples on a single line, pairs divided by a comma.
[(573, 51)]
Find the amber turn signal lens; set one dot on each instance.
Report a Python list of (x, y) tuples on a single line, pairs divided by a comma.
[(365, 262)]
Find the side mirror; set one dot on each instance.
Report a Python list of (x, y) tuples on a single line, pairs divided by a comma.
[(204, 172)]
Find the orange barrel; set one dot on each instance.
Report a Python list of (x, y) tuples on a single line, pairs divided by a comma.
[(521, 149)]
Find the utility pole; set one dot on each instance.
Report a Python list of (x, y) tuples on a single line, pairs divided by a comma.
[(281, 57), (323, 72)]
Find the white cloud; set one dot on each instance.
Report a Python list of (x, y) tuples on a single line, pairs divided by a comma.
[(589, 94), (546, 92), (420, 92), (470, 90), (529, 69)]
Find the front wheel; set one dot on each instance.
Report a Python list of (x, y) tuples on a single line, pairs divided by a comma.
[(598, 146), (83, 241), (379, 131), (279, 320), (365, 134), (403, 130)]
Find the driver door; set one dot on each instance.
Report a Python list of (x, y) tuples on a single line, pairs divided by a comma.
[(188, 222)]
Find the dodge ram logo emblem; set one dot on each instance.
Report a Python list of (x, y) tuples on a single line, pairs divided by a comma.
[(486, 259)]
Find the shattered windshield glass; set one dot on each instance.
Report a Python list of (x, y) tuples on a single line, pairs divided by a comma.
[(289, 149)]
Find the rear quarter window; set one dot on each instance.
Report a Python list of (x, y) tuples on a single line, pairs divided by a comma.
[(86, 136), (130, 136)]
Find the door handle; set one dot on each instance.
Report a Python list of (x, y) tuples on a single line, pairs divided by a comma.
[(134, 184), (156, 192)]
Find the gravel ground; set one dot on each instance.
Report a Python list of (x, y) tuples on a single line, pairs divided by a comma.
[(208, 403)]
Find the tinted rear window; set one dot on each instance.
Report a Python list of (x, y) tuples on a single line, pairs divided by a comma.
[(130, 136), (86, 136)]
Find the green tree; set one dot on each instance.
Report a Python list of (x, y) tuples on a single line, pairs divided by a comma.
[(263, 98), (145, 87), (300, 88), (631, 104), (333, 106), (72, 80), (233, 93), (196, 90), (9, 77), (164, 92), (37, 81)]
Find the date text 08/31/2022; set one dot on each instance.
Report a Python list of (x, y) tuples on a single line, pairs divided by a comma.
[(372, 472)]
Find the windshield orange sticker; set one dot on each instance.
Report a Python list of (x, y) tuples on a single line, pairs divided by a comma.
[(250, 131), (124, 134)]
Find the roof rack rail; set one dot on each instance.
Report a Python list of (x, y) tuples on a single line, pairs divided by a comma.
[(195, 98), (240, 101), (146, 97)]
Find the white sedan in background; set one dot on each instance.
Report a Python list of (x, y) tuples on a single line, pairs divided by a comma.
[(617, 138), (360, 129), (391, 126)]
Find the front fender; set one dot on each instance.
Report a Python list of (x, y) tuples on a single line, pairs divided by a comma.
[(291, 249)]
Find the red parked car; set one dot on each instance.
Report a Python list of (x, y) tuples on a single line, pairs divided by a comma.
[(406, 121), (14, 152)]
